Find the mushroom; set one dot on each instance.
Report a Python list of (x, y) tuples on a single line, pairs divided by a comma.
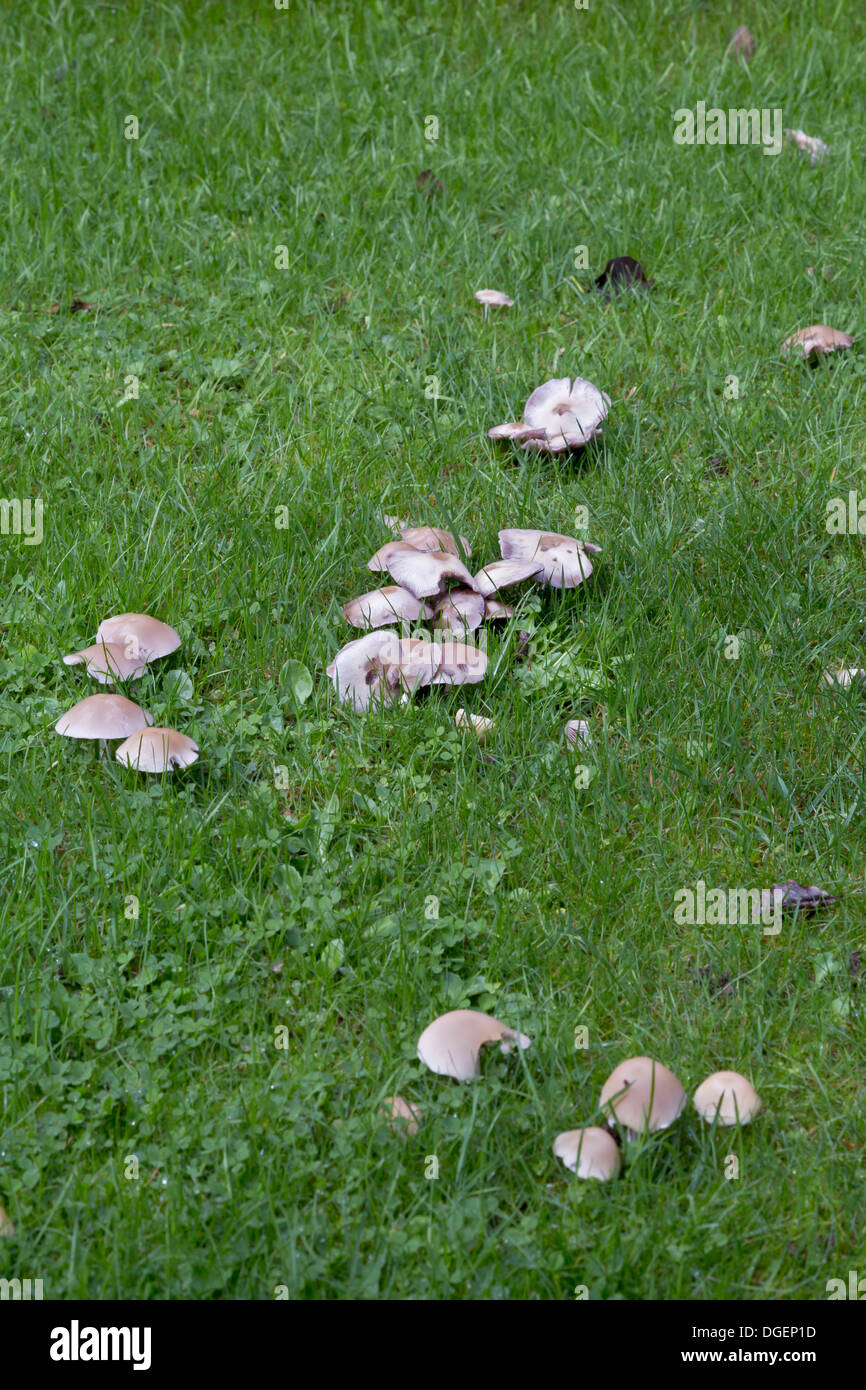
[(7, 1226), (359, 669), (808, 144), (563, 413), (742, 43), (139, 635), (493, 298), (642, 1095), (622, 273), (157, 750), (727, 1097), (460, 610), (494, 611), (591, 1153), (503, 574), (382, 606), (416, 663), (103, 717), (108, 663), (578, 734), (480, 726), (461, 664), (402, 1117), (792, 896), (562, 559), (425, 572), (846, 676), (451, 1044), (817, 340), (434, 538)]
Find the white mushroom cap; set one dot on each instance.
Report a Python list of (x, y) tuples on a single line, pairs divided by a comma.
[(402, 1116), (493, 297), (591, 1153), (846, 676), (139, 635), (494, 611), (157, 750), (808, 144), (562, 559), (103, 716), (729, 1096), (358, 671), (502, 574), (479, 725), (642, 1095), (578, 734), (434, 538), (382, 606), (425, 573), (108, 663), (451, 1045), (415, 663), (569, 412), (461, 664), (817, 339), (459, 610), (517, 430)]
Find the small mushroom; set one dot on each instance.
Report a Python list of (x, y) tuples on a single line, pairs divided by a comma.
[(504, 574), (157, 750), (642, 1095), (493, 298), (452, 1043), (426, 573), (792, 896), (434, 538), (495, 612), (383, 606), (477, 724), (742, 44), (563, 413), (7, 1226), (622, 273), (103, 717), (807, 144), (846, 676), (108, 663), (401, 1116), (578, 734), (461, 664), (591, 1153), (460, 610), (563, 560), (139, 635), (358, 671), (817, 340), (728, 1097)]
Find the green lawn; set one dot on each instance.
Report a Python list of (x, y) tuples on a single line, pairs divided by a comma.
[(264, 265)]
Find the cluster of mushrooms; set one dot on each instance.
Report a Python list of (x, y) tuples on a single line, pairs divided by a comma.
[(124, 648), (640, 1095)]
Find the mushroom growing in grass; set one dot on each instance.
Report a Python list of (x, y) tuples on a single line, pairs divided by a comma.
[(496, 612), (452, 1043), (434, 538), (139, 635), (807, 144), (425, 573), (460, 610), (562, 560), (383, 606), (504, 574), (103, 717), (359, 670), (642, 1095), (817, 340), (728, 1098), (742, 44), (477, 724), (157, 750), (402, 1116), (846, 676), (563, 413), (591, 1153), (578, 734), (461, 664), (493, 299), (416, 663), (108, 663)]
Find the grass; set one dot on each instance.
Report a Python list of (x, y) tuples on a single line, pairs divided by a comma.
[(156, 936)]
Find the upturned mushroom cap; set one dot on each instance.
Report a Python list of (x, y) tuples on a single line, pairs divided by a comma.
[(477, 724), (358, 671), (103, 716), (139, 635), (562, 560), (402, 1117), (569, 412), (451, 1045), (108, 663), (495, 297), (846, 676), (578, 734), (459, 610), (591, 1153), (729, 1096), (817, 340), (157, 750), (415, 663), (642, 1095), (382, 606), (516, 430), (494, 611), (461, 664), (426, 572), (434, 538), (503, 574)]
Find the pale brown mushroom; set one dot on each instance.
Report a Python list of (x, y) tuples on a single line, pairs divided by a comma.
[(451, 1044), (742, 43), (807, 144), (563, 560), (817, 340), (426, 573), (108, 663), (359, 670), (493, 299), (460, 610), (728, 1098), (402, 1116), (383, 606), (434, 538), (103, 717), (477, 724), (642, 1095), (564, 413), (503, 574), (139, 635), (591, 1153), (461, 664), (415, 663), (494, 611), (157, 750)]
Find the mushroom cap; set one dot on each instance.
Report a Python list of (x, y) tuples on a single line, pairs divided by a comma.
[(742, 41), (845, 676), (461, 664), (642, 1095), (478, 724), (358, 671), (415, 663), (591, 1153), (516, 430), (426, 572), (460, 610), (103, 716), (157, 750), (379, 561), (578, 734), (493, 297), (502, 574), (562, 560), (139, 635), (403, 1117), (382, 606), (817, 340), (451, 1044), (108, 663), (568, 411), (809, 144), (494, 611), (434, 538), (729, 1096)]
